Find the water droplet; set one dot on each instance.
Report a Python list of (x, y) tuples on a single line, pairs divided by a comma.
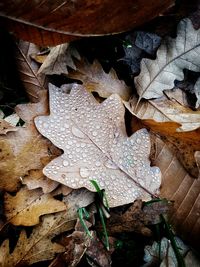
[(77, 132), (110, 164), (65, 163), (138, 141), (45, 125), (66, 125), (97, 163), (69, 143), (94, 133), (84, 172), (83, 145)]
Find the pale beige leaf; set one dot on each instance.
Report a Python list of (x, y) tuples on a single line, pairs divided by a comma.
[(95, 79), (164, 252), (58, 59), (26, 207), (13, 119), (36, 179), (181, 188), (28, 68), (173, 56), (191, 259), (96, 147), (6, 127), (165, 110)]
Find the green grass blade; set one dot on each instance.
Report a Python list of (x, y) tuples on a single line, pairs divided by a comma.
[(81, 213), (104, 228), (170, 234)]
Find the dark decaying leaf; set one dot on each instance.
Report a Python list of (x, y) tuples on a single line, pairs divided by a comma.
[(28, 68), (97, 254), (136, 218), (52, 22), (138, 45)]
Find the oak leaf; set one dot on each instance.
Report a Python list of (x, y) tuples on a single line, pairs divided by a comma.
[(6, 127), (165, 110), (24, 149), (59, 58), (39, 245), (180, 187), (173, 56), (36, 179), (95, 79), (96, 147), (26, 207), (28, 70)]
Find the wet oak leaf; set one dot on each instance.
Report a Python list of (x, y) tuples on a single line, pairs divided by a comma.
[(26, 207), (95, 79), (173, 56), (96, 147)]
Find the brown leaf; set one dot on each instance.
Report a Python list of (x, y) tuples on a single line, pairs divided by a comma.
[(51, 23), (38, 246), (59, 58), (182, 144), (165, 110), (96, 147), (98, 254), (76, 245), (95, 79), (35, 179), (136, 218), (26, 207), (28, 68), (24, 150), (181, 188)]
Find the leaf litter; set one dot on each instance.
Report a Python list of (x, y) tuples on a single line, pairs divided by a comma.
[(96, 147)]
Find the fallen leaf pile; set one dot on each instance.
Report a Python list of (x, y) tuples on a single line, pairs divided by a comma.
[(136, 147)]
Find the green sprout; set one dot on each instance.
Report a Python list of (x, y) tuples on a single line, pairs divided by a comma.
[(83, 214), (103, 211)]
